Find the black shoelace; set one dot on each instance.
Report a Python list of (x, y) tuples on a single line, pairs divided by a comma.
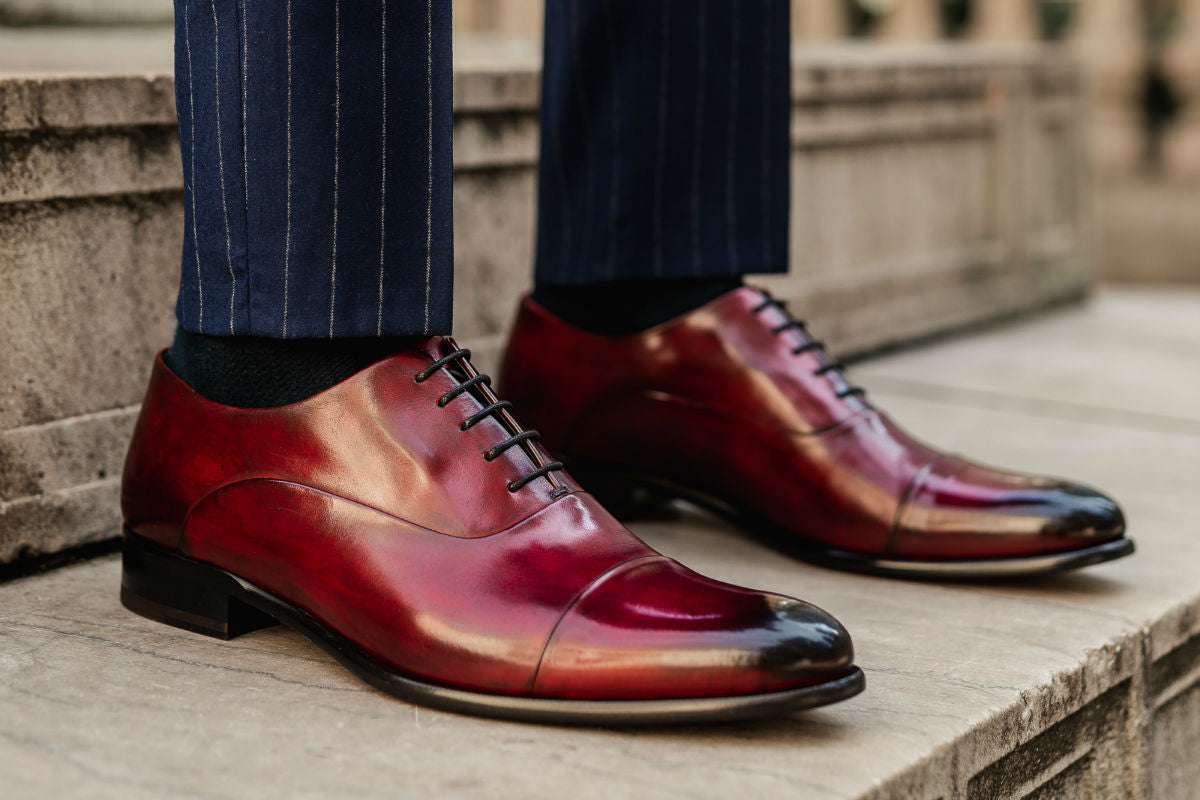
[(498, 409), (810, 346)]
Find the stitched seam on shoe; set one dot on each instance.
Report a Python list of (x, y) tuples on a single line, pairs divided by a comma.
[(902, 503), (600, 579), (285, 482)]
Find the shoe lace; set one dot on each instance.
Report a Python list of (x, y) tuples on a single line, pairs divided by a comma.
[(811, 345), (458, 364)]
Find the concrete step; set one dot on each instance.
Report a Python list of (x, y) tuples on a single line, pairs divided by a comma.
[(1084, 685), (934, 188)]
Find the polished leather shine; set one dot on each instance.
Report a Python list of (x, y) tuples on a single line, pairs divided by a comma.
[(718, 402), (370, 509)]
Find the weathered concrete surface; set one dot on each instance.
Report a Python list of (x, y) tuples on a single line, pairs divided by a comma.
[(1078, 686), (934, 188), (934, 191)]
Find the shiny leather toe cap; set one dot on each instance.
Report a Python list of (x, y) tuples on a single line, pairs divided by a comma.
[(653, 628), (1080, 513), (957, 509)]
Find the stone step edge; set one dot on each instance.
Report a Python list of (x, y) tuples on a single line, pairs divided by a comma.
[(846, 72)]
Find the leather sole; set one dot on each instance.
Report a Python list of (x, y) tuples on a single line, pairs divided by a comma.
[(632, 496), (168, 587)]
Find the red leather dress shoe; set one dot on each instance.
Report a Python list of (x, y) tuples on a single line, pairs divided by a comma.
[(404, 522), (735, 407)]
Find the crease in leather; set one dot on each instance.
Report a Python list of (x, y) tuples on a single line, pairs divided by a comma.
[(368, 507), (582, 423), (913, 483), (596, 582)]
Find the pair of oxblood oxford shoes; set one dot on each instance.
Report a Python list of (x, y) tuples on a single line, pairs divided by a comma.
[(405, 522)]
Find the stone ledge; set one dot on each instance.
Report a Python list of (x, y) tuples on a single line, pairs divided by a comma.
[(85, 102), (74, 451), (1075, 686)]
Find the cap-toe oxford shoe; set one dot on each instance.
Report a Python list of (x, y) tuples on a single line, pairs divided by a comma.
[(407, 524), (735, 407)]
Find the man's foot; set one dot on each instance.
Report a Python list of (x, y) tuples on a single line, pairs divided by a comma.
[(735, 407), (404, 522)]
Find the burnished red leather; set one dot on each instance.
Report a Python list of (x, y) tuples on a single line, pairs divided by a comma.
[(719, 402), (369, 508)]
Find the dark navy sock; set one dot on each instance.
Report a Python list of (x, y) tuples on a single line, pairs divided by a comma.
[(254, 372), (630, 306)]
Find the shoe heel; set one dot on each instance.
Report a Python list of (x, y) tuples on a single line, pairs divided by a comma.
[(623, 496), (170, 588)]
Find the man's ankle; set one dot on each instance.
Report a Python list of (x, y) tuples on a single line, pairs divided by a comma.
[(255, 372), (630, 306)]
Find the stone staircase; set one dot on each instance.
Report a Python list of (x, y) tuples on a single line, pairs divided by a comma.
[(935, 189)]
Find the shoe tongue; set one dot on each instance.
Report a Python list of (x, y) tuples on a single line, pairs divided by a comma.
[(435, 346)]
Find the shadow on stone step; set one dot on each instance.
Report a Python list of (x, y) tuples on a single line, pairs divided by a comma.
[(26, 565)]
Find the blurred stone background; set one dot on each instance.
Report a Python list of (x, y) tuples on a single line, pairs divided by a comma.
[(1142, 58)]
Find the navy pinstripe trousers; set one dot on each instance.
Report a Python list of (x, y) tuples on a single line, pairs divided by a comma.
[(317, 155)]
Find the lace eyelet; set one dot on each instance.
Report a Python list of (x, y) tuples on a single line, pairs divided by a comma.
[(493, 408), (811, 346)]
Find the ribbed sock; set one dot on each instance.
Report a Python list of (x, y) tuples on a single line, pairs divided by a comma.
[(253, 372), (630, 306)]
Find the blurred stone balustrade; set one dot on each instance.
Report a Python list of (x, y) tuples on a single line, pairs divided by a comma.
[(1182, 152)]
